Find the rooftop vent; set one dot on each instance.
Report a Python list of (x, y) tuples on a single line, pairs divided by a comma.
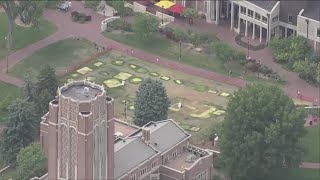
[(118, 134), (190, 158)]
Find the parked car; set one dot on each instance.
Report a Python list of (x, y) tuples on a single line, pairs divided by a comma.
[(64, 5)]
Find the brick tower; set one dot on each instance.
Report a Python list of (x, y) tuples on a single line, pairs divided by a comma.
[(78, 133)]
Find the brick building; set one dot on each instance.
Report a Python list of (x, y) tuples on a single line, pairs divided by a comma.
[(83, 140)]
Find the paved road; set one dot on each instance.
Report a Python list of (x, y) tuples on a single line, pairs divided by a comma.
[(91, 31)]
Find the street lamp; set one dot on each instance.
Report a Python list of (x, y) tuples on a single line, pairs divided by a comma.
[(180, 50), (259, 65), (8, 52), (162, 15), (268, 33), (125, 109), (248, 48), (307, 21)]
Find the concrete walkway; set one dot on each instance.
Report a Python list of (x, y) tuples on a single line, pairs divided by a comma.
[(91, 31)]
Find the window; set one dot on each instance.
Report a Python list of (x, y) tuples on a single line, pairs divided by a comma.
[(183, 148), (243, 10), (250, 13), (201, 176), (143, 171), (318, 32), (290, 19), (133, 177), (275, 19), (166, 159), (257, 16), (174, 154), (264, 19), (154, 164)]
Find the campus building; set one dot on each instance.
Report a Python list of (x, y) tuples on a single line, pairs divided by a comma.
[(264, 19), (83, 140)]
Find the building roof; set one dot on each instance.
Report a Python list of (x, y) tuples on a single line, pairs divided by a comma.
[(291, 8), (124, 128), (77, 92), (264, 4), (312, 10), (164, 134), (129, 153)]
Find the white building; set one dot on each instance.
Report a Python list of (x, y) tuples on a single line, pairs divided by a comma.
[(264, 19)]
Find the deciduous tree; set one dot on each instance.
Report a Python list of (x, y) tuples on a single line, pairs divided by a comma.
[(29, 11), (145, 25), (21, 129), (261, 131), (190, 13), (151, 102), (31, 162)]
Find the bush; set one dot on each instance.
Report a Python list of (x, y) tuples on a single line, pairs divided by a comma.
[(119, 24), (93, 4), (80, 17)]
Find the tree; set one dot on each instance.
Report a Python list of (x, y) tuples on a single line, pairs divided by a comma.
[(261, 132), (190, 13), (28, 10), (20, 129), (151, 102), (42, 90), (31, 162), (145, 25)]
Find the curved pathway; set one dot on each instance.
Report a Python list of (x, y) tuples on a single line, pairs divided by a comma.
[(91, 31)]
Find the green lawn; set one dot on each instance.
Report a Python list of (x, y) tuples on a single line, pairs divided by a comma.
[(23, 36), (60, 56), (7, 95), (295, 174), (161, 46), (312, 142)]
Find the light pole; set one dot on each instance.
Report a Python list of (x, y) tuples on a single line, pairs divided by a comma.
[(125, 110), (248, 48), (180, 50), (268, 15), (162, 14), (259, 65), (8, 52), (307, 21)]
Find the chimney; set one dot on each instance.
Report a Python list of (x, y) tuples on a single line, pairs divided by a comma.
[(146, 135)]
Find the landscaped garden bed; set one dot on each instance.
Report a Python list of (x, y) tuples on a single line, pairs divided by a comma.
[(80, 17), (135, 80)]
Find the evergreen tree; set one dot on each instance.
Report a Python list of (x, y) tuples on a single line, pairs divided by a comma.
[(151, 102)]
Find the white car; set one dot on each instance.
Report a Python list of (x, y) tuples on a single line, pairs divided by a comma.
[(64, 5)]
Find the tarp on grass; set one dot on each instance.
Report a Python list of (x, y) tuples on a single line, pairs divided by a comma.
[(164, 4)]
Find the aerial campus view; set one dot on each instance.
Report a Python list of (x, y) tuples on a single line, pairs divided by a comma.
[(160, 89)]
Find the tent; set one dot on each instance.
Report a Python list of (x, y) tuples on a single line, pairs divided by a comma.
[(177, 8), (164, 4)]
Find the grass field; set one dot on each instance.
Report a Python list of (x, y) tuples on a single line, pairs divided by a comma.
[(7, 95), (159, 45), (295, 174), (192, 92), (59, 55), (23, 36), (312, 142)]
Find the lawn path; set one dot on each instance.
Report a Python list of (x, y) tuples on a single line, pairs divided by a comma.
[(91, 31)]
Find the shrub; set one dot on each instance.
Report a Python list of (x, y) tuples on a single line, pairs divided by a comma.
[(88, 18), (119, 24), (80, 17), (93, 4)]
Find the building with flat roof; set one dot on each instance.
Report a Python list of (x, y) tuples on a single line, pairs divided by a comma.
[(264, 19), (83, 140)]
